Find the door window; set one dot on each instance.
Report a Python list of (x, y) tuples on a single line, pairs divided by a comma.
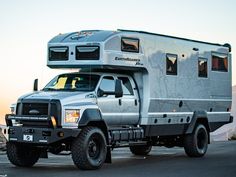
[(126, 86), (107, 84)]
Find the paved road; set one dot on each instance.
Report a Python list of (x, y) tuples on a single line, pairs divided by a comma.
[(220, 161)]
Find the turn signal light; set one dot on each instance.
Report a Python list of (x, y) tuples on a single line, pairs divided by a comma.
[(60, 134), (54, 122)]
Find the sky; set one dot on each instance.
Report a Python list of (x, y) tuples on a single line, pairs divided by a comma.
[(26, 26)]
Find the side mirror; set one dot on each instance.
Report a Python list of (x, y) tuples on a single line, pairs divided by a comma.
[(100, 92), (35, 85), (118, 89)]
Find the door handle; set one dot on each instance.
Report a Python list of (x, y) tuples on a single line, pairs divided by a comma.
[(135, 102), (120, 102)]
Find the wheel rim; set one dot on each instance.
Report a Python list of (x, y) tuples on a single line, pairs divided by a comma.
[(201, 140), (94, 147)]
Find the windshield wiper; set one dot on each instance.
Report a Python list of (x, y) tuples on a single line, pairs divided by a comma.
[(67, 89), (49, 89)]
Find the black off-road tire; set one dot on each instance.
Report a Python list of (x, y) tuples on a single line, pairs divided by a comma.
[(89, 149), (196, 144), (141, 149), (22, 155)]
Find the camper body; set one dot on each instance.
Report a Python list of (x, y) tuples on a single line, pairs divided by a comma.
[(133, 88)]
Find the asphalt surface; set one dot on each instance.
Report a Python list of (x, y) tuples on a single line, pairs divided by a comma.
[(220, 161)]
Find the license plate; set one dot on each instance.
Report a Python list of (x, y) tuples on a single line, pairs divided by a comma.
[(28, 137)]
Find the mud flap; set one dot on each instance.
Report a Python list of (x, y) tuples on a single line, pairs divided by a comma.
[(108, 157), (44, 154)]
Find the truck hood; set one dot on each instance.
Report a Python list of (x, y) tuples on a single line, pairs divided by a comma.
[(64, 97)]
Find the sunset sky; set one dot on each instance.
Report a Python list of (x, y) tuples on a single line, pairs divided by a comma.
[(27, 26)]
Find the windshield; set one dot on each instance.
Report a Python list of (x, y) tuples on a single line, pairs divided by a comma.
[(73, 82)]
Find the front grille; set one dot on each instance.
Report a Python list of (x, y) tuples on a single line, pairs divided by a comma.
[(35, 108)]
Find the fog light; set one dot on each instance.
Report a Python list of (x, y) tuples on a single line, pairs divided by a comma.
[(60, 134), (54, 122)]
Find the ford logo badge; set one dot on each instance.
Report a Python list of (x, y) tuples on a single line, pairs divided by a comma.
[(33, 111)]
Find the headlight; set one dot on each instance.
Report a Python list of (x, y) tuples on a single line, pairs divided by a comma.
[(72, 115)]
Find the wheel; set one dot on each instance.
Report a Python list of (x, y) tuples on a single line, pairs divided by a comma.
[(89, 149), (22, 155), (141, 149), (196, 144)]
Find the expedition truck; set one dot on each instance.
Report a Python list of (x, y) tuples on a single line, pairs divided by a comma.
[(133, 89)]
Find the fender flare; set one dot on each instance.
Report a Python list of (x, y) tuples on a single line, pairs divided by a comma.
[(90, 115), (198, 116)]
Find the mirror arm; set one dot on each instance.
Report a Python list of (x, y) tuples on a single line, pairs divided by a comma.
[(35, 88)]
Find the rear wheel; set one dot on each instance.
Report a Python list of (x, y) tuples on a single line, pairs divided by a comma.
[(141, 149), (196, 144), (22, 155), (89, 149)]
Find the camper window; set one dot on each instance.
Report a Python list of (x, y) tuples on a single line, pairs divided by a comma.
[(202, 67), (171, 64), (58, 53), (219, 62), (87, 52), (129, 44)]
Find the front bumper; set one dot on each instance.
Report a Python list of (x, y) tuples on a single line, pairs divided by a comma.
[(40, 136)]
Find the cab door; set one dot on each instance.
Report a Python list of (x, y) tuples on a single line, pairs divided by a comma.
[(108, 104), (129, 103)]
